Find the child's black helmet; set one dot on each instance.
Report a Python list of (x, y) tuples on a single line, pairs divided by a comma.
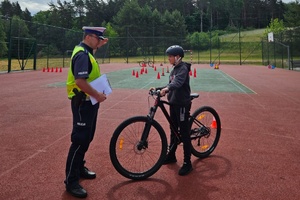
[(175, 50)]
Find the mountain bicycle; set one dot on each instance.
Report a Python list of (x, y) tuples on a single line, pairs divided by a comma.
[(139, 145), (146, 62)]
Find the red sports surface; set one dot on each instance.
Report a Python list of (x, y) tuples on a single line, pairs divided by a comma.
[(257, 156)]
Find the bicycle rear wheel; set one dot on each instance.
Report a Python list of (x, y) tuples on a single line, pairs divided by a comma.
[(150, 63), (205, 131), (128, 158)]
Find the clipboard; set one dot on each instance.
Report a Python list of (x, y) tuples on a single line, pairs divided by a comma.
[(101, 84)]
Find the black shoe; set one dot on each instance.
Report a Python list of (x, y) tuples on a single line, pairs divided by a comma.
[(77, 191), (87, 174), (170, 159), (185, 169)]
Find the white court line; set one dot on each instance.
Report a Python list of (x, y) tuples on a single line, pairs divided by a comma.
[(271, 134), (32, 156), (226, 77), (133, 93), (250, 96)]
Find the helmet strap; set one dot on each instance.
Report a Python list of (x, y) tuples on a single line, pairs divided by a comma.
[(177, 60)]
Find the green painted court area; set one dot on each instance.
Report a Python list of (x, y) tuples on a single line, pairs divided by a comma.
[(208, 80)]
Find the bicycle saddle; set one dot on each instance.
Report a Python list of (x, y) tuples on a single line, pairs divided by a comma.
[(194, 95)]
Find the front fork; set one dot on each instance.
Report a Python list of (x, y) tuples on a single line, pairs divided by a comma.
[(143, 143)]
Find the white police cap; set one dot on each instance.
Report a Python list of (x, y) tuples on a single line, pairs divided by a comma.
[(99, 31)]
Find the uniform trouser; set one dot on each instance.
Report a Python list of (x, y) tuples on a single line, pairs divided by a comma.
[(84, 126), (180, 117)]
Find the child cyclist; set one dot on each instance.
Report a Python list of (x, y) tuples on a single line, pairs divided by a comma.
[(178, 90)]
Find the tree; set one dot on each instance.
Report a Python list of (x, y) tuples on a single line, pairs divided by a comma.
[(276, 26), (292, 16), (63, 14), (3, 46), (174, 24), (26, 15), (19, 28), (94, 12), (79, 13), (6, 8), (128, 19)]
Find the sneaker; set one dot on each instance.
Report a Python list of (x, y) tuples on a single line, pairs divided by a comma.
[(185, 169), (170, 159)]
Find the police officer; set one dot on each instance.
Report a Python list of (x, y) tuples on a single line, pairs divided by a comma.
[(83, 69)]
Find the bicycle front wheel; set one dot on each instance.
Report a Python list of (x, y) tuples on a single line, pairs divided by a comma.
[(205, 131), (132, 159), (142, 63)]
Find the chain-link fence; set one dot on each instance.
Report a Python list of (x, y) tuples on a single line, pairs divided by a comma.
[(31, 46)]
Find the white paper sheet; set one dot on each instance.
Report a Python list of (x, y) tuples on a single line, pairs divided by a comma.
[(101, 84)]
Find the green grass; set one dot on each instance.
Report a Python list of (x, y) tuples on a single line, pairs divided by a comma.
[(246, 36)]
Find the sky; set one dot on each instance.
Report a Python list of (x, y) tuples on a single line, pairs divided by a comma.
[(35, 6)]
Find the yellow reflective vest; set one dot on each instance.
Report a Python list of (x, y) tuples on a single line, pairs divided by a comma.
[(95, 73)]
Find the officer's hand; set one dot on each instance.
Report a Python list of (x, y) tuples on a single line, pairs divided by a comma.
[(101, 97), (103, 42)]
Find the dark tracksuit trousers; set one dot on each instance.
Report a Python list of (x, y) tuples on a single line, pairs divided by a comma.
[(84, 126), (180, 117)]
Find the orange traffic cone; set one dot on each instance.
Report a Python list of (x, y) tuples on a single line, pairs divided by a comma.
[(48, 69), (191, 73), (158, 75), (163, 72), (195, 73), (52, 70), (217, 65), (161, 64), (133, 72), (154, 68), (146, 71), (60, 70), (56, 70), (142, 70), (136, 74), (43, 69), (213, 124)]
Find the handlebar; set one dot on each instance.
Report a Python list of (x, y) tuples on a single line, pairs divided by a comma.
[(154, 93)]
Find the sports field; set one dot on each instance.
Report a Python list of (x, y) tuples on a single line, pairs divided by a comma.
[(257, 156)]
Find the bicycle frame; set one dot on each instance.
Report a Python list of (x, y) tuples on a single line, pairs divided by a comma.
[(161, 104), (203, 130), (158, 104)]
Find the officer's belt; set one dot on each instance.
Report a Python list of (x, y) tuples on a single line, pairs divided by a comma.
[(87, 98)]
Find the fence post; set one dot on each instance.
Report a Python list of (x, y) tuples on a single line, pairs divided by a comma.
[(210, 48), (34, 55), (10, 46), (240, 46)]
